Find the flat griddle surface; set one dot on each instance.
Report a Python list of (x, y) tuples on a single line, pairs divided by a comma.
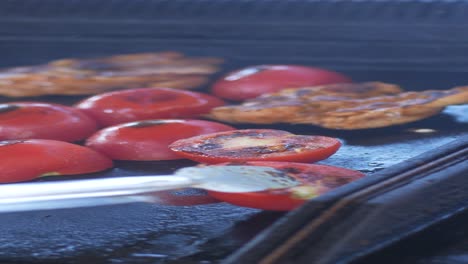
[(144, 233)]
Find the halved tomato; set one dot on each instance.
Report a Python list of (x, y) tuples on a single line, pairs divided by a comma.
[(255, 144), (25, 120), (256, 80), (315, 180), (147, 103), (23, 160), (149, 139)]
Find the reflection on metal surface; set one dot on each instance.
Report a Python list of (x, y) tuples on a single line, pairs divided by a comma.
[(459, 112), (423, 130)]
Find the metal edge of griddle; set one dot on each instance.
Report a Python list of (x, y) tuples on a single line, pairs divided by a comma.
[(303, 232)]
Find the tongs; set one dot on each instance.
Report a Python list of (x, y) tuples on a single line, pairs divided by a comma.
[(121, 190)]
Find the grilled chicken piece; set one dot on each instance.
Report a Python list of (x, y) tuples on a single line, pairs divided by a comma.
[(290, 104), (370, 106), (92, 76)]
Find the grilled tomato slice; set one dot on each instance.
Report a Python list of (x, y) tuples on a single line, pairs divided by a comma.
[(149, 139), (315, 180), (26, 120), (147, 103), (254, 81), (255, 144), (23, 160)]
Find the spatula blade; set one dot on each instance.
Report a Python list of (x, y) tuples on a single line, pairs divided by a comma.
[(237, 178)]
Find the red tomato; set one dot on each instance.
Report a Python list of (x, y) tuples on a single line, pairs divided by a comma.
[(255, 144), (253, 81), (149, 139), (147, 103), (24, 120), (22, 160), (315, 180)]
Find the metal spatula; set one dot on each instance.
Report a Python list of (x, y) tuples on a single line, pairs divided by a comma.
[(88, 193)]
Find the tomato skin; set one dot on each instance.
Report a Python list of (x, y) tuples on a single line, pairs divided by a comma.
[(254, 81), (255, 144), (26, 120), (315, 180), (149, 139), (147, 103), (23, 160)]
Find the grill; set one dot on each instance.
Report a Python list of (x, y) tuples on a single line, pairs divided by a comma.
[(412, 195)]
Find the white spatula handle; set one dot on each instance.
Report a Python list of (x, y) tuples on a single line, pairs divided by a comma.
[(79, 193)]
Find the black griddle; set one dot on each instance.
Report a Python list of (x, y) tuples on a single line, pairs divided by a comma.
[(419, 45)]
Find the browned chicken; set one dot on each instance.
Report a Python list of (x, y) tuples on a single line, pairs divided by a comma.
[(92, 76), (342, 106)]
